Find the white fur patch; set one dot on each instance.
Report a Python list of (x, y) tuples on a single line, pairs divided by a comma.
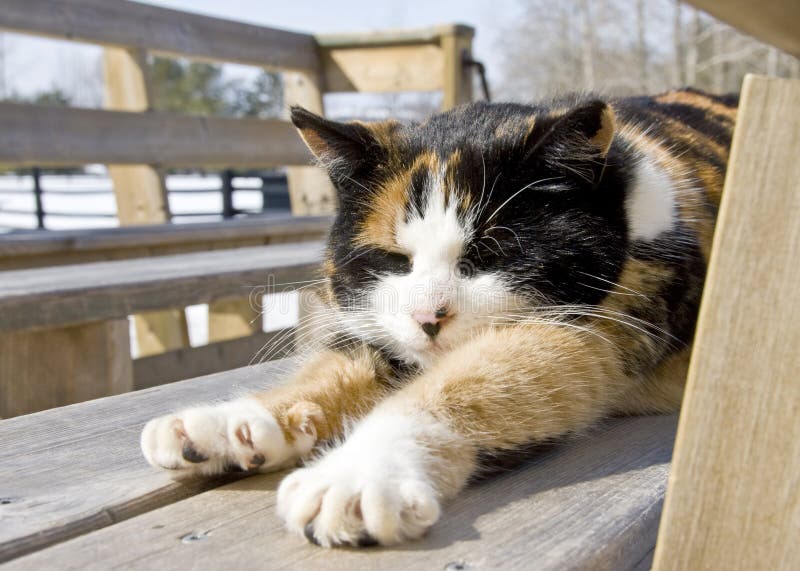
[(434, 239), (650, 204), (376, 483)]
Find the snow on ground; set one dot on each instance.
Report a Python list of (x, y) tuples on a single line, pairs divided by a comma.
[(89, 202)]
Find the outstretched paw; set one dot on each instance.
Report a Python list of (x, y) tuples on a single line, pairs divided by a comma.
[(361, 494), (234, 436)]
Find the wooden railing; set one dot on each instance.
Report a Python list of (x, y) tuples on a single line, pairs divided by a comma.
[(138, 142)]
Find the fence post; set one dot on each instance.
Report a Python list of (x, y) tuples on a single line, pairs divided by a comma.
[(227, 194), (140, 190), (36, 174), (456, 44)]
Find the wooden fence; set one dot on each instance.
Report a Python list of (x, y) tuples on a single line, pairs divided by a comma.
[(138, 143)]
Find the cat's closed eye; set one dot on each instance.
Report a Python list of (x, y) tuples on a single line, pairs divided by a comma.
[(398, 262)]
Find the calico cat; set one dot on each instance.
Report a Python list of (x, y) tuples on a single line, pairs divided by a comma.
[(500, 275)]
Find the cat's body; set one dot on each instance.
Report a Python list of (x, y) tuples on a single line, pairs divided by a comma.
[(499, 275)]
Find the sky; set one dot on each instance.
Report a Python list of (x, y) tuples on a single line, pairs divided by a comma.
[(35, 64)]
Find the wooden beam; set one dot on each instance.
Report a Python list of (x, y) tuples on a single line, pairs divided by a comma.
[(60, 247), (170, 32), (733, 498), (772, 21), (457, 77), (377, 38), (191, 362), (44, 369), (380, 69), (41, 135), (310, 190), (140, 190), (65, 295)]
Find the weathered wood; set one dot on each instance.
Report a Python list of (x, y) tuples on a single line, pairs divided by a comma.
[(383, 68), (733, 498), (376, 38), (140, 190), (191, 362), (310, 190), (771, 21), (171, 32), (40, 135), (67, 471), (51, 297), (593, 504), (60, 247), (233, 318), (457, 78), (43, 369)]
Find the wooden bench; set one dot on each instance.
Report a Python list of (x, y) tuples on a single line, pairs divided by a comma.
[(76, 493), (64, 329)]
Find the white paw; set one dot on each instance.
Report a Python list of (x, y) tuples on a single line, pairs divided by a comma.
[(233, 436), (373, 489)]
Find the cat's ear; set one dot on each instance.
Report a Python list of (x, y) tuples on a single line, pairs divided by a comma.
[(344, 148), (578, 141)]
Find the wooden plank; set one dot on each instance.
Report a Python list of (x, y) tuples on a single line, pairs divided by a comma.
[(70, 470), (43, 369), (733, 499), (376, 38), (457, 78), (310, 190), (59, 247), (41, 135), (383, 68), (140, 191), (170, 32), (191, 362), (771, 21), (593, 504), (51, 297), (234, 318)]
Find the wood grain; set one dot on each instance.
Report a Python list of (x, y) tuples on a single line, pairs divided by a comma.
[(734, 495), (50, 297), (40, 135), (771, 21), (43, 369), (60, 247), (191, 362), (70, 470), (593, 504), (310, 190), (140, 190), (380, 69), (171, 32), (456, 78)]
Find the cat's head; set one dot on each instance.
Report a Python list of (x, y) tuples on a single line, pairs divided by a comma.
[(470, 218)]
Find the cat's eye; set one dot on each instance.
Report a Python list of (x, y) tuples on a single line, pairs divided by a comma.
[(400, 262)]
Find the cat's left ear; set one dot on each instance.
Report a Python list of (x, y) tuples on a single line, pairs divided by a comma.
[(578, 140), (343, 148)]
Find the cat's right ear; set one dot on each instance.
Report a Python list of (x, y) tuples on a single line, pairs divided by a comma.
[(344, 148)]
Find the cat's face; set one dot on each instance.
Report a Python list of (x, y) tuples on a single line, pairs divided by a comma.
[(471, 219)]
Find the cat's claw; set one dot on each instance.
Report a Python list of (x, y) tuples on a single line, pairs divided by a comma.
[(233, 436), (361, 496)]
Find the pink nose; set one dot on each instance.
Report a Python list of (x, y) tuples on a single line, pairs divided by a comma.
[(430, 321)]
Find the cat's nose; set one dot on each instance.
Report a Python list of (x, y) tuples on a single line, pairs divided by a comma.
[(430, 321)]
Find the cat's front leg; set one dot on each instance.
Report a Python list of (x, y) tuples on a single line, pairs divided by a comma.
[(271, 430), (504, 389)]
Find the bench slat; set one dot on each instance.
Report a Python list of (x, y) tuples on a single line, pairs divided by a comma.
[(592, 503), (50, 297), (69, 470)]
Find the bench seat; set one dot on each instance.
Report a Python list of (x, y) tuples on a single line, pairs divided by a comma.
[(77, 494)]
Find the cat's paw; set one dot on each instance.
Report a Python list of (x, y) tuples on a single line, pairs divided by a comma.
[(371, 490), (232, 436)]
